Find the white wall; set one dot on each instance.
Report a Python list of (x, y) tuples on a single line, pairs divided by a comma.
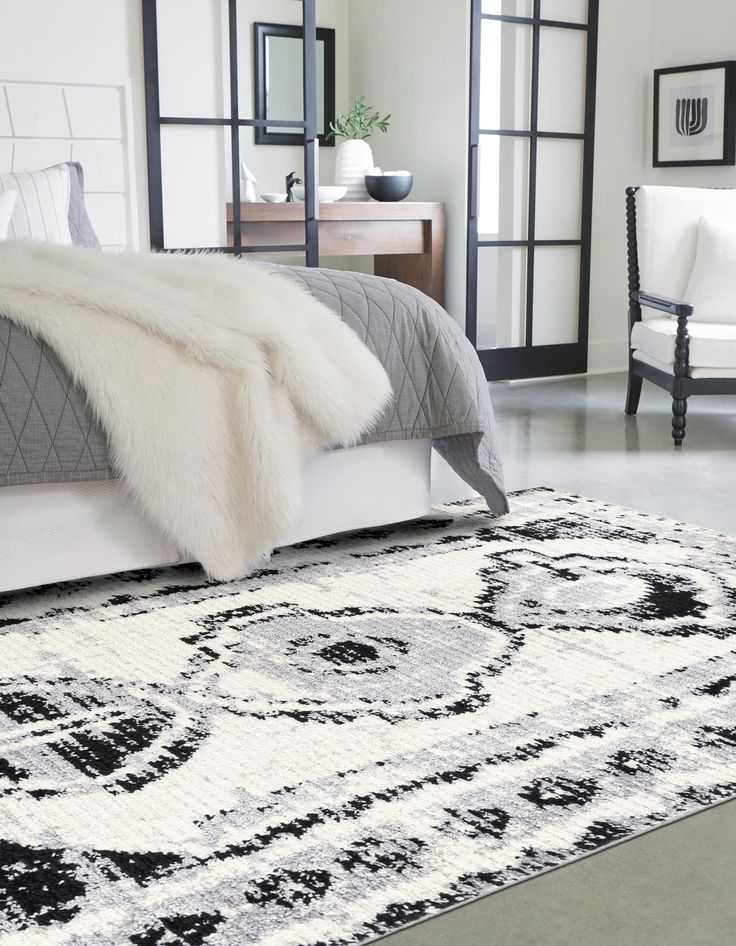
[(685, 32), (621, 155), (410, 58)]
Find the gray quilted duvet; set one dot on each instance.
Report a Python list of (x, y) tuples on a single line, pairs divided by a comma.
[(48, 432)]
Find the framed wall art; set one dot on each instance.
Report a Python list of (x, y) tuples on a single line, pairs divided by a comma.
[(694, 120)]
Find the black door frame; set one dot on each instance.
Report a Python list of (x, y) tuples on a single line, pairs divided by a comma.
[(531, 360), (154, 121)]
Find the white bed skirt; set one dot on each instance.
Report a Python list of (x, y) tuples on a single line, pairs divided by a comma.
[(63, 531)]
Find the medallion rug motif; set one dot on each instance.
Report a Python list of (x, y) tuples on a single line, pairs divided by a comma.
[(372, 729)]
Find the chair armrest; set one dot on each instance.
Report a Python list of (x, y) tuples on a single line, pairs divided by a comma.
[(654, 301), (682, 341)]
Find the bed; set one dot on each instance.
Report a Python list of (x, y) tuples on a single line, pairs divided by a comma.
[(65, 512), (64, 531)]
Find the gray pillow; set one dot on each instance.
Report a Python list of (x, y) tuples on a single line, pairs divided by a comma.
[(80, 226)]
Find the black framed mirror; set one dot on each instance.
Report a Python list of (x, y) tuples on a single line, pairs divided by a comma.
[(278, 82)]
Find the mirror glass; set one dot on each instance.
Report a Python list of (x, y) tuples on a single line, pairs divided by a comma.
[(284, 82)]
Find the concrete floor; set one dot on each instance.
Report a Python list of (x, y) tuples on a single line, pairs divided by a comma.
[(675, 886), (573, 434)]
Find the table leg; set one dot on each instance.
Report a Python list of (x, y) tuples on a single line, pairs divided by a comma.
[(424, 271)]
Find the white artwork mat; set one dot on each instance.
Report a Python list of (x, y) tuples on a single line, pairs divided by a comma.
[(691, 115)]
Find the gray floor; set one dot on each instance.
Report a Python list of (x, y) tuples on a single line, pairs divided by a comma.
[(573, 435), (675, 886)]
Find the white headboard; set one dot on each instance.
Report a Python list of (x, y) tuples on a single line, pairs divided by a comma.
[(46, 122)]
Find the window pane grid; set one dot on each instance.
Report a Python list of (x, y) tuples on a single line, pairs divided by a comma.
[(548, 334)]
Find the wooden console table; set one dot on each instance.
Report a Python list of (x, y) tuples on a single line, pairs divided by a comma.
[(406, 239)]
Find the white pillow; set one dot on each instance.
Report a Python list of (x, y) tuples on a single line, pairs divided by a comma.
[(7, 203), (42, 208), (712, 285)]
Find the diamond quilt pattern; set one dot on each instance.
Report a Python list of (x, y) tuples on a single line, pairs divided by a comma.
[(437, 379), (440, 389), (47, 430)]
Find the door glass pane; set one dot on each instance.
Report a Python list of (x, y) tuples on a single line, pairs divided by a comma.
[(195, 164), (562, 56), (192, 54), (569, 11), (503, 188), (559, 189), (505, 78), (508, 7), (501, 296), (556, 295)]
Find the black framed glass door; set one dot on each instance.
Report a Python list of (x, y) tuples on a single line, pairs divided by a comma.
[(232, 119), (532, 116)]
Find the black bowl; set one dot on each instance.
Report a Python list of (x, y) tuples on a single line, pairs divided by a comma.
[(388, 188)]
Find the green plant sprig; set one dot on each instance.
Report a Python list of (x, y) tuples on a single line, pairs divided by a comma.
[(359, 123)]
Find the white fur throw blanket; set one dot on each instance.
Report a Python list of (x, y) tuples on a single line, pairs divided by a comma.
[(213, 380)]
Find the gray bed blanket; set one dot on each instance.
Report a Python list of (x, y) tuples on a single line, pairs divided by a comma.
[(48, 432)]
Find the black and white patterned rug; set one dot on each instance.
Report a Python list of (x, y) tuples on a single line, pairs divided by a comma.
[(371, 730)]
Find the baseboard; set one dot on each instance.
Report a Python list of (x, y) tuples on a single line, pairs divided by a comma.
[(561, 377), (605, 357), (617, 370)]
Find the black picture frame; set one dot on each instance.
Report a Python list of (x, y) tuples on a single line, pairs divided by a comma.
[(726, 123), (263, 133)]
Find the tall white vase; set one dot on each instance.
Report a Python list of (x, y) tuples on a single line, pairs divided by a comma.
[(354, 157)]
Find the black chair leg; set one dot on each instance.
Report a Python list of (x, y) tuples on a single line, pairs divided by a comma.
[(679, 410), (633, 393)]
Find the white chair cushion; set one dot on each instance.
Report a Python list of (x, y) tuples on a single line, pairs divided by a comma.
[(694, 373), (7, 203), (711, 345), (42, 208), (667, 233), (712, 285)]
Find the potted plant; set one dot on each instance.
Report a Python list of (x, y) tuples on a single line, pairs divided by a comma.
[(354, 156)]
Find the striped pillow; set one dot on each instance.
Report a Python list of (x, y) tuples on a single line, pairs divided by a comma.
[(7, 203), (42, 207)]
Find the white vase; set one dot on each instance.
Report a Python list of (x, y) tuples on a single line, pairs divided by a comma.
[(354, 157)]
